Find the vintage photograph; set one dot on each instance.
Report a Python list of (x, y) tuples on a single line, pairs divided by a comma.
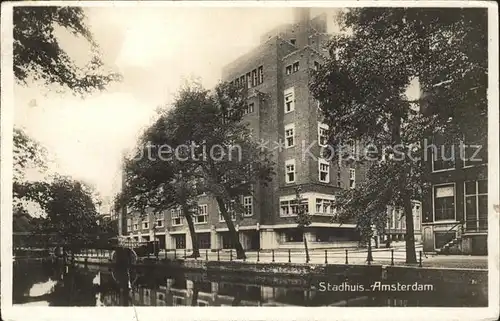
[(265, 156)]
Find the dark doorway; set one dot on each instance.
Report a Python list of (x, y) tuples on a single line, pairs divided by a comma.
[(254, 240)]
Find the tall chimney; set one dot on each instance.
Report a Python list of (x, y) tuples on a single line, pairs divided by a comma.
[(301, 14), (302, 21)]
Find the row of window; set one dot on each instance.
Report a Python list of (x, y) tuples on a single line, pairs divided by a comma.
[(201, 216), (250, 108), (323, 172), (445, 156), (476, 203), (145, 225), (294, 67), (396, 220), (250, 79), (323, 206)]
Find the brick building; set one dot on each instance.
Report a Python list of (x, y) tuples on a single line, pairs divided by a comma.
[(281, 110), (455, 207)]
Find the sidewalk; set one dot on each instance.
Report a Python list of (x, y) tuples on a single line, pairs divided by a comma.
[(381, 256)]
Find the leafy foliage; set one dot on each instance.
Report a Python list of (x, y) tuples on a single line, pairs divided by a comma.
[(200, 145), (71, 214), (362, 91), (38, 54), (303, 217), (27, 153)]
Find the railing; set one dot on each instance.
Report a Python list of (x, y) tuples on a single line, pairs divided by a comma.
[(477, 225), (317, 256), (454, 230), (94, 253)]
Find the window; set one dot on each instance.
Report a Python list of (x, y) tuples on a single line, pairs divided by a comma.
[(293, 41), (396, 217), (352, 177), (290, 171), (402, 218), (295, 67), (242, 81), (392, 219), (202, 215), (325, 206), (316, 65), (230, 210), (288, 69), (260, 74), (476, 205), (249, 109), (248, 205), (289, 100), (353, 148), (289, 135), (249, 80), (474, 151), (416, 217), (322, 134), (237, 82), (159, 223), (129, 225), (294, 235), (290, 207), (443, 155), (444, 202), (136, 226), (324, 171), (177, 218), (254, 77)]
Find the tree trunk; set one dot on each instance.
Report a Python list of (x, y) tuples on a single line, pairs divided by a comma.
[(369, 256), (305, 245), (411, 255), (194, 238), (240, 253)]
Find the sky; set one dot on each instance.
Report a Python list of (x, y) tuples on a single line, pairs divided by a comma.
[(156, 50)]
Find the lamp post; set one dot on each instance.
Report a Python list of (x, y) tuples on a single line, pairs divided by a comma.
[(154, 240)]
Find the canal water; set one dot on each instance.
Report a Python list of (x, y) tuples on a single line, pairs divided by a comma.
[(54, 284)]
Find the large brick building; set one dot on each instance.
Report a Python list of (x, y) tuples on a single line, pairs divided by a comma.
[(282, 112)]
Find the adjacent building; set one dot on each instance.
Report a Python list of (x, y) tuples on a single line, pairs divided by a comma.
[(395, 229), (455, 206)]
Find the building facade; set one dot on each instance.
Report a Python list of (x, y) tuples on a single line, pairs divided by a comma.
[(395, 229), (455, 206), (283, 114)]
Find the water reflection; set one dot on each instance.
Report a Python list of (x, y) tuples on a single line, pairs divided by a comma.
[(42, 288), (90, 285)]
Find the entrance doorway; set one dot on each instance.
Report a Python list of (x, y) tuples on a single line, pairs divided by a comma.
[(180, 241)]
